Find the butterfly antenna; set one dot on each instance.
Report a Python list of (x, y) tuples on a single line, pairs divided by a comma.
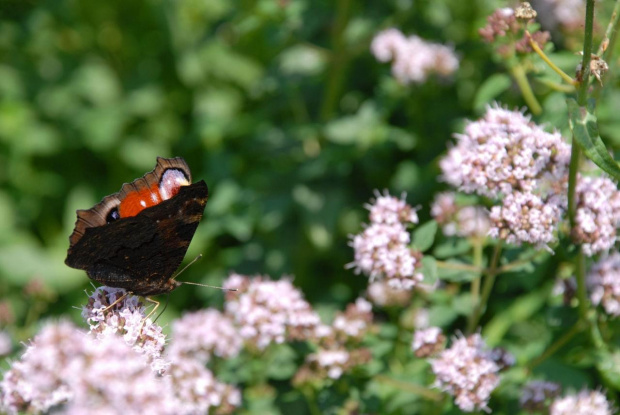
[(195, 283), (199, 256), (208, 286)]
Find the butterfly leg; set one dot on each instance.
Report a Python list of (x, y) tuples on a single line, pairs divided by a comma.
[(118, 300), (150, 300)]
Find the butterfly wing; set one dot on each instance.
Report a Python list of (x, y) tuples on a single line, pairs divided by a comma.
[(141, 253)]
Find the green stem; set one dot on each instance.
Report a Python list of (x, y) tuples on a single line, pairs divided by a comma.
[(548, 61), (512, 265), (311, 400), (458, 266), (410, 387), (578, 327), (609, 41), (582, 92), (475, 284), (518, 73), (608, 44), (566, 89), (487, 287), (339, 60), (586, 313)]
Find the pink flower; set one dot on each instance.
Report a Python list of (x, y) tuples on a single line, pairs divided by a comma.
[(202, 334), (504, 152), (197, 391), (525, 217), (598, 214), (463, 221), (269, 311), (604, 283), (355, 322), (338, 349), (428, 342), (65, 366), (126, 319), (382, 251), (467, 371), (585, 402), (413, 59), (391, 210)]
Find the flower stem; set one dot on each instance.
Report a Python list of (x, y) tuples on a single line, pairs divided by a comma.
[(586, 312), (609, 41), (410, 387), (487, 287), (578, 327), (548, 61), (311, 400), (518, 74), (475, 284), (339, 59), (607, 46), (515, 264), (458, 266)]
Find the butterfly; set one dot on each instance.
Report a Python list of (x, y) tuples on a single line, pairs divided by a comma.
[(136, 238)]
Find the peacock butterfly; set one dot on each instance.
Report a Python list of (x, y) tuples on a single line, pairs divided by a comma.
[(135, 239)]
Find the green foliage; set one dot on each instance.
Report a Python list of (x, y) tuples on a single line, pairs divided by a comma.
[(585, 130), (281, 108)]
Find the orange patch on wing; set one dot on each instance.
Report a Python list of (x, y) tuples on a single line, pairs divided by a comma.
[(136, 202)]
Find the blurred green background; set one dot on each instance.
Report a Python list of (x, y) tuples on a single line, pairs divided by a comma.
[(277, 104)]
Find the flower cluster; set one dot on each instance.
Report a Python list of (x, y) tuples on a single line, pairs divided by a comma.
[(525, 217), (202, 334), (468, 371), (537, 395), (604, 283), (506, 156), (428, 342), (413, 59), (505, 152), (269, 312), (456, 220), (507, 32), (330, 363), (127, 319), (337, 349), (597, 215), (585, 402), (382, 251), (354, 323), (97, 372), (65, 366), (196, 391)]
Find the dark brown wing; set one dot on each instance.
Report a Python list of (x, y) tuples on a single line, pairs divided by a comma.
[(96, 216), (142, 252)]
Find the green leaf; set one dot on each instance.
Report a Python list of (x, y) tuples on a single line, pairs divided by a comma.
[(521, 309), (424, 235), (455, 274), (451, 248), (429, 270), (490, 89), (609, 366), (281, 362), (583, 123)]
